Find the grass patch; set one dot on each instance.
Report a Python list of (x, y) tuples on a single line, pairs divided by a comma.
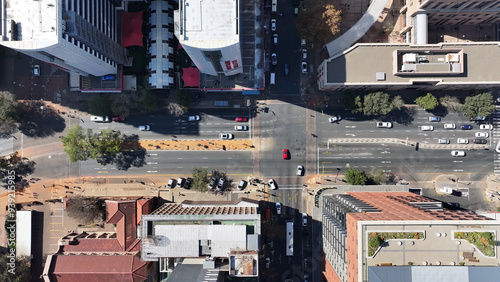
[(376, 239), (484, 241)]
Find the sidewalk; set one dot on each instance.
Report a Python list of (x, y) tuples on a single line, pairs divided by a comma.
[(492, 193)]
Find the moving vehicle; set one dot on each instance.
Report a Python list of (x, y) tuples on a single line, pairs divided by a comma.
[(108, 77), (212, 182), (242, 185), (384, 124), (99, 119), (272, 79), (302, 42), (144, 127), (273, 24), (241, 119), (187, 183), (241, 127), (286, 154), (482, 134), (171, 183), (268, 262), (434, 119), (194, 118), (220, 185), (456, 153), (278, 208), (427, 128), (336, 118), (304, 67), (300, 170), (304, 219), (274, 59), (180, 181), (497, 148), (449, 126), (304, 54), (289, 238), (275, 39), (486, 126), (36, 70), (479, 141), (287, 71), (226, 136), (272, 184), (274, 6), (444, 141), (466, 127), (462, 141)]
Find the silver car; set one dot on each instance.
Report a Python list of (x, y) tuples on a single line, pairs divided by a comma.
[(444, 141), (241, 127), (226, 136)]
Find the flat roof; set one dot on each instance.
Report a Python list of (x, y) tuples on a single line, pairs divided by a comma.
[(360, 64), (208, 24)]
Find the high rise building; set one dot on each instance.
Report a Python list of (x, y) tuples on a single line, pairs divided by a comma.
[(366, 234), (74, 35)]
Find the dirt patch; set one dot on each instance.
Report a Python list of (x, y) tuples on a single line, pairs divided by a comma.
[(176, 144)]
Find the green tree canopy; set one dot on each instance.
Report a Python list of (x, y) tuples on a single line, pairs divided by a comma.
[(81, 145), (478, 105), (377, 103), (355, 177), (428, 102), (8, 108), (200, 179), (106, 143), (100, 106), (21, 271)]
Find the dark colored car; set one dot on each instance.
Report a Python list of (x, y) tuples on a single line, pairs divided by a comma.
[(117, 118), (187, 183), (466, 127), (108, 77), (286, 154), (287, 71), (479, 141), (241, 119)]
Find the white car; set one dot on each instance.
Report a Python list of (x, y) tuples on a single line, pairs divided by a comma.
[(272, 184), (486, 126), (302, 42), (242, 185), (226, 136), (304, 219), (456, 153), (300, 170), (384, 124), (194, 118), (171, 183), (273, 24), (36, 70), (304, 67), (278, 208), (212, 182), (482, 134), (144, 128), (241, 127), (304, 54), (497, 149), (99, 119), (275, 39), (335, 119), (449, 126), (274, 59), (220, 186), (462, 141), (444, 141), (427, 128)]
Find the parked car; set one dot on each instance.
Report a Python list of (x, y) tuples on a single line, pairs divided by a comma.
[(384, 124), (118, 118), (187, 183), (302, 42), (444, 141), (287, 71), (304, 219), (144, 127), (304, 54), (242, 185), (180, 181), (486, 127), (479, 141), (304, 67), (275, 39), (278, 208), (427, 128), (241, 127), (274, 59), (194, 118), (212, 182), (336, 118), (241, 119), (456, 153), (99, 118), (171, 183), (268, 262), (286, 154), (466, 127), (272, 184), (108, 77), (226, 136), (300, 170), (449, 126), (36, 70), (497, 148), (452, 205), (273, 24), (462, 141), (434, 119), (482, 134), (220, 185)]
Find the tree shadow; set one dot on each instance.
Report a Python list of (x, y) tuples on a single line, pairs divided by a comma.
[(39, 121), (440, 111), (133, 154), (7, 130), (402, 116), (21, 167)]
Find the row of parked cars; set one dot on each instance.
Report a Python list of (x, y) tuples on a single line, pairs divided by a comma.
[(180, 183)]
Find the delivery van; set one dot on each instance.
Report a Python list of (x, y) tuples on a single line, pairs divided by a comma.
[(272, 80), (274, 6)]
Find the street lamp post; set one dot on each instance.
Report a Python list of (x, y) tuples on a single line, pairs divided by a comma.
[(338, 170)]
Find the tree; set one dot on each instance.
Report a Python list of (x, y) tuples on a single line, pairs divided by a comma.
[(355, 177), (200, 180), (326, 23), (75, 144), (397, 102), (86, 209), (81, 145), (100, 106), (479, 105), (9, 114), (147, 101), (377, 103), (19, 271), (121, 106), (428, 102), (107, 143), (184, 98)]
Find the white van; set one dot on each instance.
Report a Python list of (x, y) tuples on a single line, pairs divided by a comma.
[(99, 119), (272, 81), (274, 7)]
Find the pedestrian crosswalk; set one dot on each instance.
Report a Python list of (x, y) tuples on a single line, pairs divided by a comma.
[(495, 137)]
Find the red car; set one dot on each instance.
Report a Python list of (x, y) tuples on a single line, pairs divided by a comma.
[(286, 154), (241, 119), (117, 118)]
